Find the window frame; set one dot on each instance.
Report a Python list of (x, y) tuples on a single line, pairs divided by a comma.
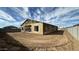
[(36, 28)]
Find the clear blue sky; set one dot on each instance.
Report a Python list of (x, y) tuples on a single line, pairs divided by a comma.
[(60, 16)]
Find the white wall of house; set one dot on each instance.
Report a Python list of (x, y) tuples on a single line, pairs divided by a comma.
[(40, 28)]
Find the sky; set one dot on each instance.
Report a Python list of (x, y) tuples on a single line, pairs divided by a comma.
[(59, 16)]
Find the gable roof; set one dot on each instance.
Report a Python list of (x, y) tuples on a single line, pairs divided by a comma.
[(35, 21), (28, 20)]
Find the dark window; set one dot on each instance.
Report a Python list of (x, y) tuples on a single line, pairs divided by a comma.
[(36, 28), (22, 28), (28, 28)]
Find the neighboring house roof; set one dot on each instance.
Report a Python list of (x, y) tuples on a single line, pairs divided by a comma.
[(10, 27), (35, 21), (1, 30)]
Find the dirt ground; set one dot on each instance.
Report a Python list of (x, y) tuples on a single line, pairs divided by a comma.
[(22, 41), (8, 43), (58, 41)]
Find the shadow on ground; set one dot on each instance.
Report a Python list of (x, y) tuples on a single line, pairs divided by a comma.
[(8, 43), (59, 32)]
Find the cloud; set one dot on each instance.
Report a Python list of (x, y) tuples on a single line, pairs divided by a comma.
[(57, 16), (60, 16), (23, 13), (6, 16), (4, 23), (12, 16)]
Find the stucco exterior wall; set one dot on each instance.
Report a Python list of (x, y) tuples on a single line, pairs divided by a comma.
[(47, 29), (23, 28), (40, 30), (43, 28)]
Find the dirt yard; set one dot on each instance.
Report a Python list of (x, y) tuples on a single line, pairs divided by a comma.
[(8, 43), (21, 41), (58, 41)]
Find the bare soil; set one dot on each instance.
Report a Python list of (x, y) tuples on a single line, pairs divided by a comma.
[(22, 41), (57, 41), (8, 43)]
